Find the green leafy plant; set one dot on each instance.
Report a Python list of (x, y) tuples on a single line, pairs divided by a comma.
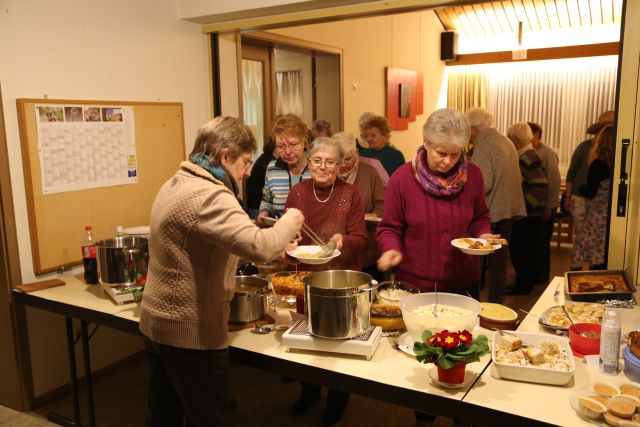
[(445, 348)]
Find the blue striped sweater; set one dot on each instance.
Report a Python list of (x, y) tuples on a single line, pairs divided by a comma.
[(277, 184)]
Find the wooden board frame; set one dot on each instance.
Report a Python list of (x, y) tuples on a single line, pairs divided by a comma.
[(57, 221)]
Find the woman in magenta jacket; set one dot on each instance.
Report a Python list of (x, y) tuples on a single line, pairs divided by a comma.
[(437, 197)]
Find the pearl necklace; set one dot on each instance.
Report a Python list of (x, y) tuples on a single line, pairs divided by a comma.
[(316, 196)]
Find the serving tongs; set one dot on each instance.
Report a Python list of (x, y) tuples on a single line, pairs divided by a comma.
[(327, 248)]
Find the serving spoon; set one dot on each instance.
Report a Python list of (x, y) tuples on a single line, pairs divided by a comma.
[(434, 309), (564, 308)]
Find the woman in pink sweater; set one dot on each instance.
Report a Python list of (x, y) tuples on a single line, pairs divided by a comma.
[(436, 198)]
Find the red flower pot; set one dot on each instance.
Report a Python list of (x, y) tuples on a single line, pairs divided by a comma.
[(453, 375)]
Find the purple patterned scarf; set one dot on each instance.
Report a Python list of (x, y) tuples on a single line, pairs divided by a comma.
[(435, 184)]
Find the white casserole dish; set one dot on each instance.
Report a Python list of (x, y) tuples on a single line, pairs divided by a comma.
[(534, 374)]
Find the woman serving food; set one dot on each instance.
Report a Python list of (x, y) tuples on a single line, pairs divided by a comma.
[(436, 198)]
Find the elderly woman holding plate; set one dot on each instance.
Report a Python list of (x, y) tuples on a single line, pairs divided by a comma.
[(334, 210), (436, 198), (334, 207)]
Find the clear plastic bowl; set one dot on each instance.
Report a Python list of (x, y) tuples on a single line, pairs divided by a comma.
[(417, 323)]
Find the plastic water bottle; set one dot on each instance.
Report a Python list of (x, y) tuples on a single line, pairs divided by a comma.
[(89, 257), (119, 231), (610, 341)]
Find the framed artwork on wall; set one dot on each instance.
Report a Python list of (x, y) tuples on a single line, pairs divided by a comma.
[(404, 97)]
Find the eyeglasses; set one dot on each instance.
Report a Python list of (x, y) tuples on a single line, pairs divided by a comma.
[(328, 163), (247, 163), (291, 146)]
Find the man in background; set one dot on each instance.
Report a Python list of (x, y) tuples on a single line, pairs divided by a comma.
[(574, 201), (498, 159), (550, 162)]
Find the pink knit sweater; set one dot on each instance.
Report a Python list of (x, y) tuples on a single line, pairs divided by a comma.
[(422, 226)]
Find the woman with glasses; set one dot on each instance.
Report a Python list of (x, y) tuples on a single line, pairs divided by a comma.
[(290, 136), (334, 210), (198, 232)]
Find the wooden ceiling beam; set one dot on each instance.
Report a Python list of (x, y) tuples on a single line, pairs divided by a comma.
[(564, 52)]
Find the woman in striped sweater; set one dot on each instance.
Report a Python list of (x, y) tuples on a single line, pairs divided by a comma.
[(525, 231), (290, 168)]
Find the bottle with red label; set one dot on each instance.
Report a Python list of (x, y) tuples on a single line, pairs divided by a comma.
[(89, 257)]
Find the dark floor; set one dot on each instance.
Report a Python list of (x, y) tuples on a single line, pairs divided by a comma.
[(264, 399)]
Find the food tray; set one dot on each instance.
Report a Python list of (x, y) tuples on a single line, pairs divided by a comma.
[(617, 279), (534, 374), (591, 313)]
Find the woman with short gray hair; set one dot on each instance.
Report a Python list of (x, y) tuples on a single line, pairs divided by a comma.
[(436, 198)]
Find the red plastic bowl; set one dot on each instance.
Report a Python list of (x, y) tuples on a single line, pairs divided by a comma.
[(581, 345)]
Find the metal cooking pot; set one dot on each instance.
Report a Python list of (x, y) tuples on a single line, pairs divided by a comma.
[(338, 303), (250, 300), (122, 260)]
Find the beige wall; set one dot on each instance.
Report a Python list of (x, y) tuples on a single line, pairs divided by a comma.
[(369, 45), (116, 50)]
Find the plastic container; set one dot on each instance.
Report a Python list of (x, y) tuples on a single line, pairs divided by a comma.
[(417, 323), (631, 365), (610, 341), (582, 345), (89, 257)]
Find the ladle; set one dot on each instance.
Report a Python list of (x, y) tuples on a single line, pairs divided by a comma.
[(564, 308), (265, 329)]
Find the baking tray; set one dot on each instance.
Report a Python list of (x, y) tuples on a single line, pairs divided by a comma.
[(616, 276)]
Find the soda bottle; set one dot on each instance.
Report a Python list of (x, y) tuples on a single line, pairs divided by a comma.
[(89, 257)]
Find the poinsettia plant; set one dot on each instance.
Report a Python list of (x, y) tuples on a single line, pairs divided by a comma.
[(445, 348)]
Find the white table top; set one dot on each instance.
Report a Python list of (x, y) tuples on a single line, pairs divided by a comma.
[(388, 366), (541, 402)]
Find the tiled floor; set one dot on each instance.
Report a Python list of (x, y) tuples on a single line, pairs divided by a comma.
[(263, 399)]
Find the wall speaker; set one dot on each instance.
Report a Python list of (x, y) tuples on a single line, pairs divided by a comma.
[(448, 45)]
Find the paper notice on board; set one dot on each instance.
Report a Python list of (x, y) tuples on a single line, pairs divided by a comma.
[(85, 146)]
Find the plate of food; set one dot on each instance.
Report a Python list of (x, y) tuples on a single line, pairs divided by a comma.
[(473, 246), (597, 285), (311, 254), (581, 312), (604, 403)]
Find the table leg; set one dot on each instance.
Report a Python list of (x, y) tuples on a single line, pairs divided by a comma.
[(59, 419), (87, 372)]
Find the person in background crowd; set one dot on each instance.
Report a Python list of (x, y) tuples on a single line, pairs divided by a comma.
[(526, 231), (368, 182), (334, 211), (198, 232), (497, 158), (550, 162), (290, 136), (320, 128), (384, 176), (255, 182), (362, 120), (377, 132), (591, 237), (436, 198), (574, 200)]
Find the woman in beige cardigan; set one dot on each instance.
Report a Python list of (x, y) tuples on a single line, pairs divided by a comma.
[(198, 231)]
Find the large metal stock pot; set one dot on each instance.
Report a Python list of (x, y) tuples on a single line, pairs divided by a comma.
[(122, 260), (338, 303), (250, 300)]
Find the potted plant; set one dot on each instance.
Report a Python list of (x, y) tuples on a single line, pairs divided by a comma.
[(140, 282), (450, 352)]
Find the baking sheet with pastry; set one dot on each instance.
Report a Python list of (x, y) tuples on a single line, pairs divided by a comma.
[(597, 285)]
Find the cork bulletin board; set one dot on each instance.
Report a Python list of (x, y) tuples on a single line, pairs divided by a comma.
[(57, 219)]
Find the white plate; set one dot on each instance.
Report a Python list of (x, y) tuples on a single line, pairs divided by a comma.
[(305, 249), (405, 344), (468, 377), (464, 247), (140, 230)]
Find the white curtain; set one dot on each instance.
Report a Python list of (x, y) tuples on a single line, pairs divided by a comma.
[(252, 98), (289, 97), (563, 96)]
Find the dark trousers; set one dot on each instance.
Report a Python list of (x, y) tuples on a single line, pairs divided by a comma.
[(524, 242), (543, 265), (498, 262), (187, 387), (335, 398)]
